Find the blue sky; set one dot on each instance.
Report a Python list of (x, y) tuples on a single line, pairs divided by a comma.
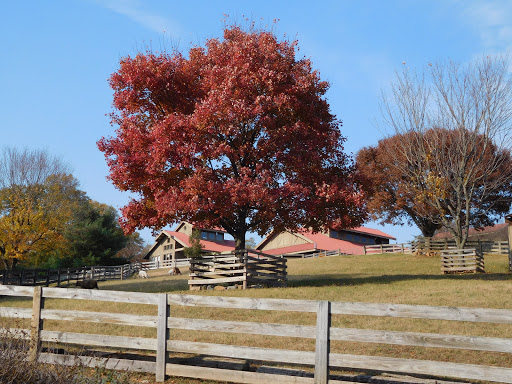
[(57, 56)]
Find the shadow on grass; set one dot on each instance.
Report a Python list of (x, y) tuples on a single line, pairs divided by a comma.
[(351, 280)]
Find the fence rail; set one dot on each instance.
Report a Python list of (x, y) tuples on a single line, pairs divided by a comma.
[(47, 277), (243, 269), (387, 248), (321, 358), (462, 260), (430, 245), (489, 247)]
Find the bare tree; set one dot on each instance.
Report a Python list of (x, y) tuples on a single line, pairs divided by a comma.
[(454, 124), (25, 167)]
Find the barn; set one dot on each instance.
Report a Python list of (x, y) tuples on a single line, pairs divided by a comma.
[(302, 243)]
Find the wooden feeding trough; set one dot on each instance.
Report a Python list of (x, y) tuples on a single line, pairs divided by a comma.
[(462, 261), (241, 269)]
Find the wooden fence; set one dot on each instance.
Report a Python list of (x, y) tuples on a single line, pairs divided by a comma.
[(65, 276), (462, 260), (321, 358), (387, 248), (155, 264), (489, 247), (244, 268)]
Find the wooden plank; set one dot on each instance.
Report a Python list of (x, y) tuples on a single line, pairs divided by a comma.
[(99, 317), (424, 367), (15, 290), (162, 337), (276, 262), (218, 272), (36, 324), (322, 345), (458, 269), (500, 316), (107, 363), (226, 375), (216, 281), (101, 295), (245, 303), (264, 268), (470, 259), (255, 252), (432, 340), (273, 275), (99, 340), (210, 266), (268, 329), (235, 351), (448, 259)]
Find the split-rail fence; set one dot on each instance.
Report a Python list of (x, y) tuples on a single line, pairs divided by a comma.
[(462, 261), (242, 268), (323, 333), (67, 276)]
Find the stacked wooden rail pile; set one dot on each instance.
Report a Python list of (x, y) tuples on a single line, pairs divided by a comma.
[(237, 270), (266, 270), (462, 261), (208, 271)]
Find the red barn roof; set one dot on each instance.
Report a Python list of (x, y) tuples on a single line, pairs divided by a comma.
[(371, 231), (322, 242)]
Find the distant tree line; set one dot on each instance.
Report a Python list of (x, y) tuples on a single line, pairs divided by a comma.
[(46, 221)]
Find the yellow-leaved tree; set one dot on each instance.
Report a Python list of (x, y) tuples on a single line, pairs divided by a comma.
[(37, 199)]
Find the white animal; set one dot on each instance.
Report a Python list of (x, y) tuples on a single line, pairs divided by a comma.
[(143, 275), (174, 271)]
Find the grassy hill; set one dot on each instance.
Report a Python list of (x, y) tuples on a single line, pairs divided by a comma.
[(388, 278)]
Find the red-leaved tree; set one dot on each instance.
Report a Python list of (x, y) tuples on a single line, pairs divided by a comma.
[(393, 196), (238, 134)]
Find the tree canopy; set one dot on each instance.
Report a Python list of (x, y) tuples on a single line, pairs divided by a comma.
[(37, 198), (238, 134), (450, 147), (46, 220), (393, 195)]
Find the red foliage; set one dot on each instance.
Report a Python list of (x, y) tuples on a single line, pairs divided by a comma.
[(238, 134), (438, 177)]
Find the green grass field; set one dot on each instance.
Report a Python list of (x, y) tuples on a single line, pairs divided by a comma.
[(389, 278)]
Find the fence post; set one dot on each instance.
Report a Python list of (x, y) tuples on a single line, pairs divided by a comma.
[(162, 337), (381, 249), (36, 324), (245, 258), (322, 348), (364, 249)]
